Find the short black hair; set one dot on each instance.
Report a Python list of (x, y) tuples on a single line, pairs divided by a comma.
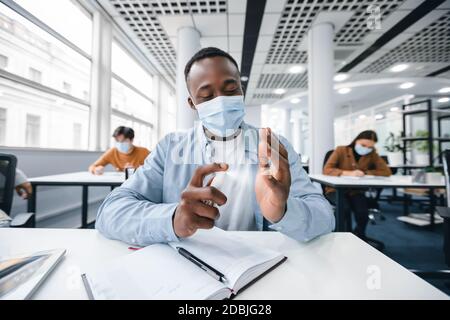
[(127, 132), (209, 52)]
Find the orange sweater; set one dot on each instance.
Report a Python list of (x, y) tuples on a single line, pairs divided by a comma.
[(343, 159), (120, 160)]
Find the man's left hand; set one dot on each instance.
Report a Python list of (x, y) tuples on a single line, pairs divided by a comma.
[(273, 182)]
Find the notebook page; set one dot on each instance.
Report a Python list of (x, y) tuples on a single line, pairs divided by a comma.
[(154, 272), (226, 253)]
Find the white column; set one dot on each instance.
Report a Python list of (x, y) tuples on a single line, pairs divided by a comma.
[(286, 121), (297, 135), (320, 98), (188, 44), (100, 112)]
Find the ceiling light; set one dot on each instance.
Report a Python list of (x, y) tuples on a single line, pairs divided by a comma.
[(295, 100), (407, 85), (297, 69), (279, 91), (443, 100), (399, 68), (244, 78), (363, 116), (341, 77), (379, 116), (394, 109), (445, 90), (344, 90)]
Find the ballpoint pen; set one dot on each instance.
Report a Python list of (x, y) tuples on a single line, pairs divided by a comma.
[(202, 265)]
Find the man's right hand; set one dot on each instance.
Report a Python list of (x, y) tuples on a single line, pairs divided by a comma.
[(98, 170), (192, 213)]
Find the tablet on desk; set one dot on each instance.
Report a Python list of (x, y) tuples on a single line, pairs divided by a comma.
[(20, 276)]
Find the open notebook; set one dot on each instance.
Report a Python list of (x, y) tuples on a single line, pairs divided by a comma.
[(159, 271)]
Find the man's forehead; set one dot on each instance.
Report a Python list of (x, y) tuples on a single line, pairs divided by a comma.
[(212, 66)]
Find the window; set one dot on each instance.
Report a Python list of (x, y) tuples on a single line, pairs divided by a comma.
[(76, 26), (36, 55), (128, 69), (2, 126), (59, 65), (3, 62), (77, 132), (57, 116), (67, 87), (169, 111), (33, 131), (127, 100), (35, 75), (131, 97)]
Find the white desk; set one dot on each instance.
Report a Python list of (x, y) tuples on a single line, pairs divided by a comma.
[(335, 266), (83, 179), (341, 184)]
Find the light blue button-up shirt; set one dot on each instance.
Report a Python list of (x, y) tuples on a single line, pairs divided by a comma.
[(140, 211)]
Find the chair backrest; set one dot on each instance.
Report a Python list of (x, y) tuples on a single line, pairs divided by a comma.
[(8, 164), (446, 160), (327, 156)]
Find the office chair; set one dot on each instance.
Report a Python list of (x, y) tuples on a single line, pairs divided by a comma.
[(8, 165), (444, 212)]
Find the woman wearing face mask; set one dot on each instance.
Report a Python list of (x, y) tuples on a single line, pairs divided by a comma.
[(357, 159), (123, 155)]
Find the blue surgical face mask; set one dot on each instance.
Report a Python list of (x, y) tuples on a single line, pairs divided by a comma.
[(123, 147), (222, 115), (361, 150)]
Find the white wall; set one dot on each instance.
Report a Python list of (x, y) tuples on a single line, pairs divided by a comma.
[(55, 200)]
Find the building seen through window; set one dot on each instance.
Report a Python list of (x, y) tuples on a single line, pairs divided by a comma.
[(35, 117)]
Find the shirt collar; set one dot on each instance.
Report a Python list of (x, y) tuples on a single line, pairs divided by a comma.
[(250, 141)]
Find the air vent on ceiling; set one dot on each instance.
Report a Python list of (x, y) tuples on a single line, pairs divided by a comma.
[(298, 16), (431, 44)]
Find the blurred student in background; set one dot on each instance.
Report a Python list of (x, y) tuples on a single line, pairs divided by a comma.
[(123, 155), (358, 159)]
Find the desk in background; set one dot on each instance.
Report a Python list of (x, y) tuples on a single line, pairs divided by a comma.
[(334, 266), (341, 184), (83, 179)]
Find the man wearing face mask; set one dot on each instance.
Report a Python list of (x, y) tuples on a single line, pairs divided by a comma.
[(223, 172), (123, 155)]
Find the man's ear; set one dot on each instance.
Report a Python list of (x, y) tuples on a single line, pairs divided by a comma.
[(191, 103)]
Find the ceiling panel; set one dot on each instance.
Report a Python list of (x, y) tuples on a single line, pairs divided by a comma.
[(221, 42), (432, 44), (211, 24), (298, 16), (236, 23), (237, 6), (153, 23), (235, 43)]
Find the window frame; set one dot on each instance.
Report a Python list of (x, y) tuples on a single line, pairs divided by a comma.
[(39, 86)]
